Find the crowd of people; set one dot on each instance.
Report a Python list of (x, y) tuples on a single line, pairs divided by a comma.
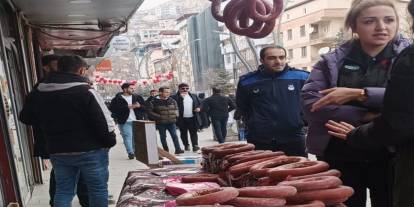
[(353, 111)]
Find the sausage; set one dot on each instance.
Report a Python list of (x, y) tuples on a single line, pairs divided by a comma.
[(253, 202), (314, 183), (237, 156), (298, 168), (260, 170), (207, 197), (237, 15), (332, 172), (215, 205), (308, 204), (335, 201), (237, 170), (259, 156), (232, 149), (267, 191), (342, 192), (200, 177)]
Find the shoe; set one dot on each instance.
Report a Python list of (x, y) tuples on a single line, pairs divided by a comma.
[(187, 148), (196, 148), (131, 156), (180, 151)]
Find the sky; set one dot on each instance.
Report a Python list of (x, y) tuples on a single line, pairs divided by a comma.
[(148, 4)]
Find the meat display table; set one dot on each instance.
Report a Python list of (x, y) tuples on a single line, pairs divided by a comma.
[(147, 187)]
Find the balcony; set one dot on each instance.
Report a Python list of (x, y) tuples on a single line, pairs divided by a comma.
[(321, 38)]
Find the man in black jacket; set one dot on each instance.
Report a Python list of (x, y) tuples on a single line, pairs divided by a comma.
[(127, 107), (50, 64), (78, 130), (218, 107), (189, 117)]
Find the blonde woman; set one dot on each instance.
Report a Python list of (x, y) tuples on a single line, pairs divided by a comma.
[(348, 84), (395, 127)]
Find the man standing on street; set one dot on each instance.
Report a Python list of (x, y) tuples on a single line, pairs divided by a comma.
[(189, 119), (164, 111), (269, 100), (218, 107), (127, 107), (78, 130)]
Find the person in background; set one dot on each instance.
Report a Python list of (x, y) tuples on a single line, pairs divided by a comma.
[(78, 130), (189, 119), (218, 107), (348, 85), (127, 107), (268, 99), (164, 111), (153, 95)]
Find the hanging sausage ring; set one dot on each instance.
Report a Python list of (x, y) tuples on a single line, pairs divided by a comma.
[(251, 18)]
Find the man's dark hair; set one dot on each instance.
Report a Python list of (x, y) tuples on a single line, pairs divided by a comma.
[(71, 63), (163, 88), (216, 90), (126, 85), (183, 85), (201, 95), (49, 58), (263, 50)]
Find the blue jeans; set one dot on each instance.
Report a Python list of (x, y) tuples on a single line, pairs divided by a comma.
[(220, 129), (94, 168), (162, 129), (126, 133)]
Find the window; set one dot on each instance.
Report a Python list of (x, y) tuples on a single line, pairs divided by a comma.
[(302, 31), (290, 53), (281, 36), (290, 36), (287, 16), (304, 52), (304, 10)]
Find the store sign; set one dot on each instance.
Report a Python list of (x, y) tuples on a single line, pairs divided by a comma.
[(104, 65), (121, 43)]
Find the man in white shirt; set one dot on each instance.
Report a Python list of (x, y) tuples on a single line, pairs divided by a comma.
[(127, 107), (189, 118)]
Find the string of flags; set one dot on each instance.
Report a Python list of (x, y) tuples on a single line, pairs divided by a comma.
[(167, 76)]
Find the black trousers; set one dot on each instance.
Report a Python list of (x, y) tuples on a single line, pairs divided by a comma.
[(375, 176), (296, 148), (188, 125), (82, 190)]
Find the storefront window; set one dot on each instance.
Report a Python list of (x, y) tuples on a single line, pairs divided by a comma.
[(15, 136)]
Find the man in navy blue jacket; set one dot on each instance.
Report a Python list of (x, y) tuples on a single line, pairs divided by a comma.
[(269, 101)]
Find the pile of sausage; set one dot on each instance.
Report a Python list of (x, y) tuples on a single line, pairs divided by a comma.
[(265, 196), (251, 18), (269, 178)]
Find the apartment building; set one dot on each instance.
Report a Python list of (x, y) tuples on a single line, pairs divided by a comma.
[(310, 27)]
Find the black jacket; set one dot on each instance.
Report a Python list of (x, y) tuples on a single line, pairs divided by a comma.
[(120, 110), (395, 127), (218, 106), (196, 104), (163, 111), (71, 115)]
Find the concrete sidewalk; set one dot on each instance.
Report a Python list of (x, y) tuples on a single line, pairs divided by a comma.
[(119, 165)]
